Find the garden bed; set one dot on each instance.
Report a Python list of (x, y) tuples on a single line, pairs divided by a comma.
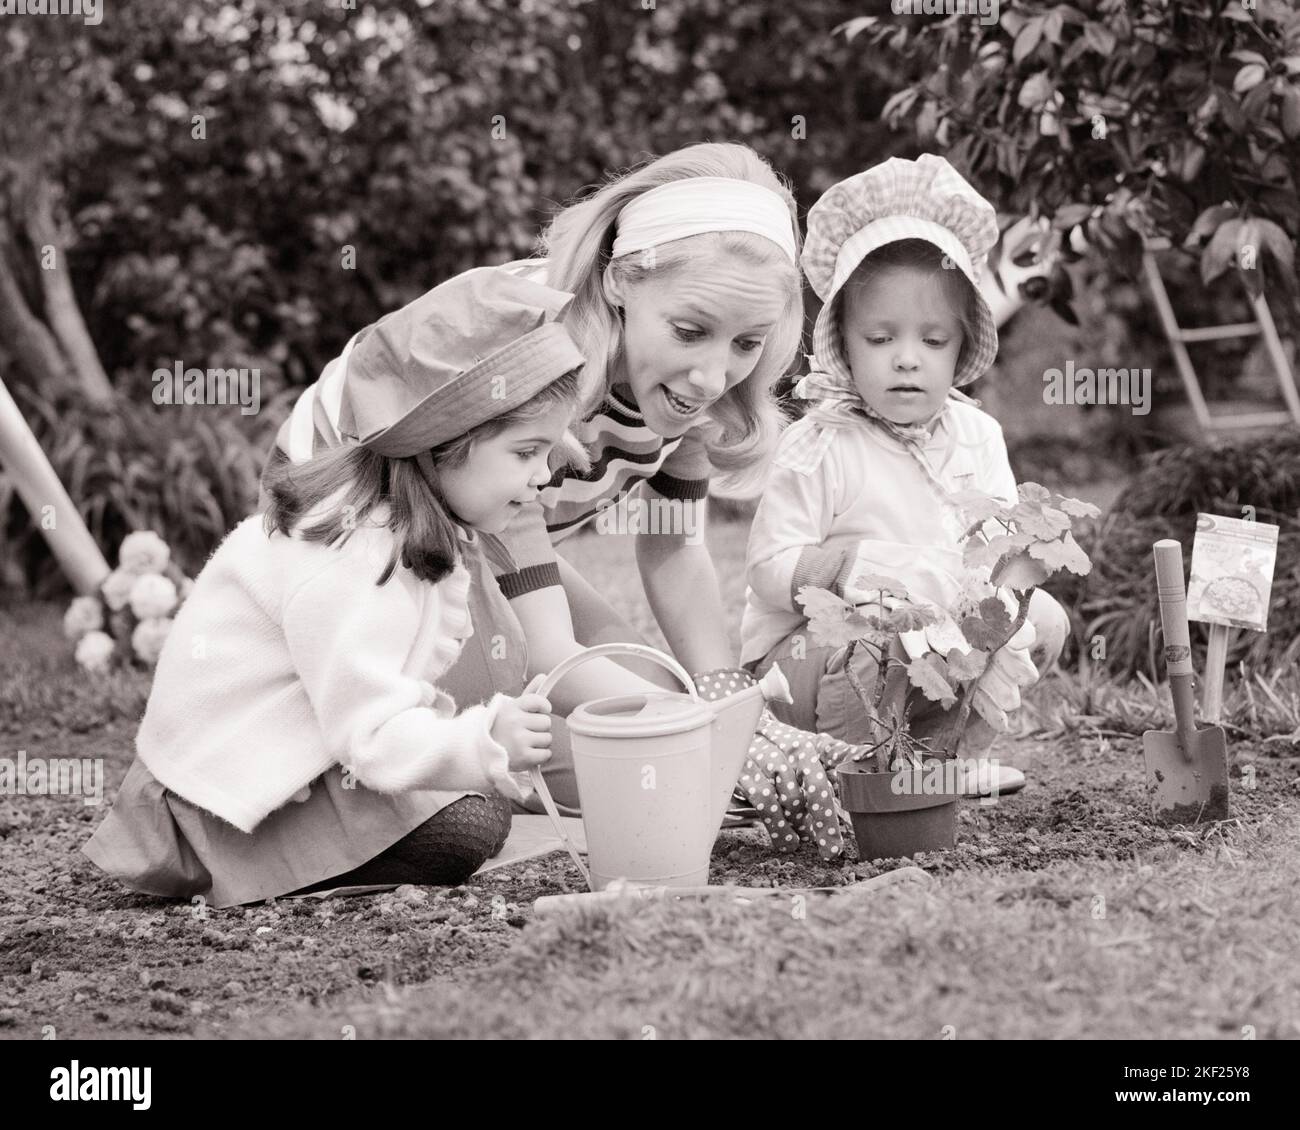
[(1012, 919)]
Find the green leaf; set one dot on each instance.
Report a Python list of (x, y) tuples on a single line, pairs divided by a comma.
[(1037, 90), (1021, 572), (822, 602), (994, 613), (981, 634), (976, 505), (851, 28), (964, 666), (827, 631), (910, 617), (899, 104), (1216, 258), (929, 674), (945, 636), (827, 616), (1012, 21), (1028, 39), (976, 554), (1249, 77), (1100, 38), (870, 629), (1077, 507), (888, 586), (1040, 520), (833, 622), (1276, 240), (1063, 554), (1033, 492)]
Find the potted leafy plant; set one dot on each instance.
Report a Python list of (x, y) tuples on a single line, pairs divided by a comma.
[(898, 792)]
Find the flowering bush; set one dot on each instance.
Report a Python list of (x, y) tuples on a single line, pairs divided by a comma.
[(129, 618), (152, 596), (143, 552)]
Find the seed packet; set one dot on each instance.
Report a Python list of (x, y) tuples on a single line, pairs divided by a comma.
[(1232, 572)]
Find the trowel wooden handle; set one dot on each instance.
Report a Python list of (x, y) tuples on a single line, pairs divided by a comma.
[(1173, 606), (1178, 641)]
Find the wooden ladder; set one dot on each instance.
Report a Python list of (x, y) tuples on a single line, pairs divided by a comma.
[(1179, 339)]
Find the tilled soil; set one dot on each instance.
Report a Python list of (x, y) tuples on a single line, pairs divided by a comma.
[(89, 959)]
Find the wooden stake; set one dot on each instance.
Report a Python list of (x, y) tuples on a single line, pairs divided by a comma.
[(1216, 656), (38, 486)]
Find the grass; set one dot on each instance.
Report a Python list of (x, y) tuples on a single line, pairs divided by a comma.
[(1063, 912), (1256, 708)]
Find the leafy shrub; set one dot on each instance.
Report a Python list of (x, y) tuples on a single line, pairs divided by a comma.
[(1118, 599), (1062, 461), (1118, 121), (189, 475)]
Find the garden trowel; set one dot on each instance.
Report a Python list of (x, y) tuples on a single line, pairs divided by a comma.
[(1187, 769)]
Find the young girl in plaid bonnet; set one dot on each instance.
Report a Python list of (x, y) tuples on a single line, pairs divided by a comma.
[(862, 484)]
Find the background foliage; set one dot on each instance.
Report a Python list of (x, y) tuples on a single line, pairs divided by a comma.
[(427, 137), (209, 169)]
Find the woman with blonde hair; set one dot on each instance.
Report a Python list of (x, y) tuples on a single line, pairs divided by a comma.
[(688, 309)]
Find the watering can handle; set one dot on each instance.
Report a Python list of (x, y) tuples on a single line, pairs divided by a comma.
[(547, 684), (642, 651)]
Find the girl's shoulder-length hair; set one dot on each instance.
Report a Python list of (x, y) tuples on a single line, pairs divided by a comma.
[(326, 498), (578, 245)]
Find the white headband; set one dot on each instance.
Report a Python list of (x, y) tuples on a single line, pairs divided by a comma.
[(703, 204)]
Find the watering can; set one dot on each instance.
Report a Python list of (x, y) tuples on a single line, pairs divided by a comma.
[(655, 772)]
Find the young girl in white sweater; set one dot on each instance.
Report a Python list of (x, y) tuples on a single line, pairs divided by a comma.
[(302, 730)]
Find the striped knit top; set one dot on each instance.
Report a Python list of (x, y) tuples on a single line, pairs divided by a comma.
[(624, 452)]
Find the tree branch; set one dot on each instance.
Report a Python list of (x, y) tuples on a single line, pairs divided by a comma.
[(26, 336), (61, 308)]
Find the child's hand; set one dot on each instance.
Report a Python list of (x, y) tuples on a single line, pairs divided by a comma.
[(523, 728)]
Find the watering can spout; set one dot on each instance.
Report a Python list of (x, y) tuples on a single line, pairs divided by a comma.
[(734, 721)]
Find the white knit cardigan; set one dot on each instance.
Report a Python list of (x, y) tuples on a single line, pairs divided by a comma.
[(287, 659)]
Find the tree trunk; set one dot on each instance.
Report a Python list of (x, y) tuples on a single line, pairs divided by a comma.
[(61, 309), (26, 336)]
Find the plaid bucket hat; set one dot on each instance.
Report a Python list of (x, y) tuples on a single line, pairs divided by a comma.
[(895, 200), (464, 352)]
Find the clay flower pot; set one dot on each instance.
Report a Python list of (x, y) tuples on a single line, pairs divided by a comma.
[(899, 814)]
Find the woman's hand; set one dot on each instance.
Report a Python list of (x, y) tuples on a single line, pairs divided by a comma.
[(523, 729)]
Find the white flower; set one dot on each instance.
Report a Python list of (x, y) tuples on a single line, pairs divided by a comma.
[(148, 638), (187, 587), (152, 596), (94, 651), (84, 614), (117, 589), (143, 552)]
